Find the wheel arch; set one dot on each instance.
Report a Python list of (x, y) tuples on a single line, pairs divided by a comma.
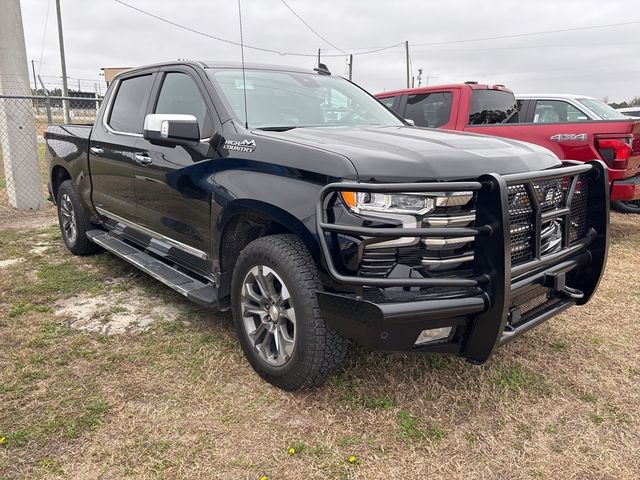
[(245, 220), (58, 175)]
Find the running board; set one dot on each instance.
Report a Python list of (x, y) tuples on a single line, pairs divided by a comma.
[(195, 290)]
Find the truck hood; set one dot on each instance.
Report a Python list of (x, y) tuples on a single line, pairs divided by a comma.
[(397, 154)]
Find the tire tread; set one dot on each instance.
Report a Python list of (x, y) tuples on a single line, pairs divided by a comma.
[(327, 348)]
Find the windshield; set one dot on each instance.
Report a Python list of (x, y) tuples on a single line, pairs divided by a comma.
[(281, 100), (604, 111), (492, 106)]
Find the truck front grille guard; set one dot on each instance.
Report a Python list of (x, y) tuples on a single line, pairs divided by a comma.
[(493, 273), (491, 232)]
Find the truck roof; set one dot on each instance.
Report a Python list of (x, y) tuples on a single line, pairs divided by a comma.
[(432, 88), (553, 95), (221, 64)]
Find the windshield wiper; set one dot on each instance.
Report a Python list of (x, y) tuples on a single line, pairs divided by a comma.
[(276, 129)]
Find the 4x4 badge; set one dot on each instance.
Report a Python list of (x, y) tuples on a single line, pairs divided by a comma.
[(240, 145), (575, 137)]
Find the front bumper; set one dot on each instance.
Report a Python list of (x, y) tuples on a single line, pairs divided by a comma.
[(494, 305), (626, 190)]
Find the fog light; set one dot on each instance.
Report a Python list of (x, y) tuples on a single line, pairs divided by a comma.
[(433, 334)]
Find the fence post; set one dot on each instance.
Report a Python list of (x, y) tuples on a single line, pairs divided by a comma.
[(48, 101)]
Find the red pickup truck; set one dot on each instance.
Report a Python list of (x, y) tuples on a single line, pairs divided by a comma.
[(494, 110)]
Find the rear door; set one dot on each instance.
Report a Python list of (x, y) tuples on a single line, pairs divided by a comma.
[(171, 182), (112, 146)]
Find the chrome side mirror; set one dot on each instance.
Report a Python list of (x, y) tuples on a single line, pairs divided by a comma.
[(171, 129), (410, 122)]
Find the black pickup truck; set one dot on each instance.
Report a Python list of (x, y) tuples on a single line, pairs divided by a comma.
[(320, 217)]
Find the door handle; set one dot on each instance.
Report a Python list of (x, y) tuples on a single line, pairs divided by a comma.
[(143, 159), (97, 150)]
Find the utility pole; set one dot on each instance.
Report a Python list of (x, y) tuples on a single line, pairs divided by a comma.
[(35, 83), (406, 49), (63, 62), (318, 58), (350, 67), (17, 122), (35, 87)]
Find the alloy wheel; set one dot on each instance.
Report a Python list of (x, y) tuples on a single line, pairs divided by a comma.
[(68, 219), (268, 315)]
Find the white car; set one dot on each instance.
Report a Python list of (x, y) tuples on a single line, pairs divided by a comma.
[(558, 108), (631, 112)]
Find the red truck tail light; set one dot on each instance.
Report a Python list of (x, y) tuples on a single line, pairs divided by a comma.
[(615, 151)]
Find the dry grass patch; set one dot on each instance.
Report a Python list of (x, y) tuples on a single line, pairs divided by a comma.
[(171, 395)]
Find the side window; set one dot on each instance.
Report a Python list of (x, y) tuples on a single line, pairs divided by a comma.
[(180, 95), (429, 109), (557, 111), (127, 111), (388, 102)]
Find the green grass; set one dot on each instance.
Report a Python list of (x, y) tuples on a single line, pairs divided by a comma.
[(517, 378), (368, 402), (413, 429), (560, 345), (596, 418), (588, 397), (69, 418), (24, 308)]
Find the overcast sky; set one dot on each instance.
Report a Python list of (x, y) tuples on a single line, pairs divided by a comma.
[(597, 62)]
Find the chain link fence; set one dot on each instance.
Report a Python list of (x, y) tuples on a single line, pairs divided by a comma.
[(23, 121)]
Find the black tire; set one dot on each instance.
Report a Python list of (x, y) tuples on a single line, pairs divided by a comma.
[(317, 350), (73, 221), (627, 207)]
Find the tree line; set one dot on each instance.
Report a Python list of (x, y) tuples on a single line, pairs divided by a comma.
[(631, 103)]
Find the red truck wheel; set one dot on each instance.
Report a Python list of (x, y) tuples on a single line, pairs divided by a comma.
[(631, 206)]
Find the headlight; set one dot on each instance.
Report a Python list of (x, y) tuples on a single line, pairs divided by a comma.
[(402, 203)]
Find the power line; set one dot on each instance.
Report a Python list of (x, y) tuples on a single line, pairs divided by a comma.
[(524, 47), (204, 34), (311, 28), (44, 36), (529, 34), (368, 50), (453, 42), (231, 42)]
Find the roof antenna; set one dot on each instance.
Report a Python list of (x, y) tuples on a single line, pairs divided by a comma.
[(244, 80)]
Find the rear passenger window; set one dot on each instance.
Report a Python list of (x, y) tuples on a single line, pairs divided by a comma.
[(129, 105), (557, 111), (429, 109), (489, 107), (180, 95)]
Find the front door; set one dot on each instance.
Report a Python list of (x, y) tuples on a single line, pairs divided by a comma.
[(173, 193)]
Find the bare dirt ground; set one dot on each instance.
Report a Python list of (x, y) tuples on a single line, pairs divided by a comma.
[(105, 373)]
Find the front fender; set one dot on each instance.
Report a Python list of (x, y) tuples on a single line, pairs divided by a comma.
[(287, 200)]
